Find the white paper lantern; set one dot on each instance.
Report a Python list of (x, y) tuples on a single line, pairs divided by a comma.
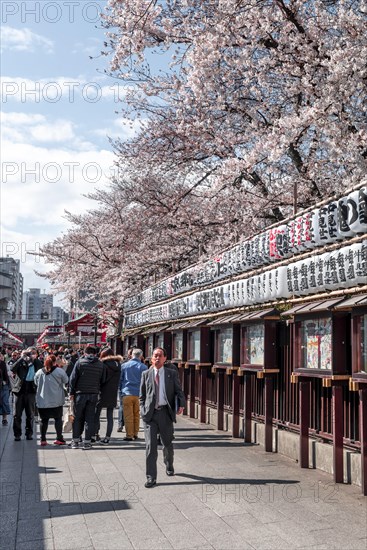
[(256, 259), (342, 218), (341, 258), (264, 247), (299, 237), (307, 230), (315, 237), (359, 262), (281, 287), (357, 210), (292, 237)]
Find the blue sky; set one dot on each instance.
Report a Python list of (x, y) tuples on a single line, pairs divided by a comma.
[(57, 107)]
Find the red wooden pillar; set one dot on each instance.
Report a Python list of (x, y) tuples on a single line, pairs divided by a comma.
[(269, 400), (304, 405), (338, 426), (235, 405), (220, 399), (363, 436), (185, 386), (203, 378), (247, 409), (192, 392)]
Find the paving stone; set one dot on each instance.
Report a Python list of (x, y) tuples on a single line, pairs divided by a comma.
[(224, 495), (42, 544), (111, 541)]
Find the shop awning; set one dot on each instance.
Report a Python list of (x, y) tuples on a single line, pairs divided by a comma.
[(225, 320), (196, 323), (153, 330), (177, 326), (259, 314), (355, 301), (311, 307)]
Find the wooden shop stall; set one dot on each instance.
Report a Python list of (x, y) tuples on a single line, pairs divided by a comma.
[(357, 307), (321, 345), (259, 359), (225, 348)]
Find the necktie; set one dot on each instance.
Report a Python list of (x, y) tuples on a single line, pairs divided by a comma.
[(157, 390)]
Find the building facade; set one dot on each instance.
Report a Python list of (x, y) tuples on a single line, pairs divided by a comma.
[(270, 336), (11, 289)]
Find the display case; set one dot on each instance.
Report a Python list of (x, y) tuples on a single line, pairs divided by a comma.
[(197, 363), (321, 349), (321, 340), (357, 307), (259, 358), (225, 346)]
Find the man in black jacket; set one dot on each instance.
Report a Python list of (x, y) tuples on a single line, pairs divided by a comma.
[(25, 399), (84, 385)]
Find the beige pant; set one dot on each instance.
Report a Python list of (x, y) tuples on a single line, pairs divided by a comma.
[(130, 405)]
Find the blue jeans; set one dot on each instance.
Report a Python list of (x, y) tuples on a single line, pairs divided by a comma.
[(4, 400), (84, 411)]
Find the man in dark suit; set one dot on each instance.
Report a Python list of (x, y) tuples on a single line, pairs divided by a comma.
[(158, 391)]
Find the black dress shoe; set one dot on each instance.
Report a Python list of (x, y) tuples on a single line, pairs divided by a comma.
[(170, 472), (150, 482)]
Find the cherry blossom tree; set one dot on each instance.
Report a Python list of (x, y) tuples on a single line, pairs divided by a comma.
[(253, 108)]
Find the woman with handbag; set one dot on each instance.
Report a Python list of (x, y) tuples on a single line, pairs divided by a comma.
[(50, 398)]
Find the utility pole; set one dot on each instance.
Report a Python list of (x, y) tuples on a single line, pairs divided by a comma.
[(95, 329)]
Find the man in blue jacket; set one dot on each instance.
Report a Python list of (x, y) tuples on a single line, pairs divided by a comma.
[(129, 387)]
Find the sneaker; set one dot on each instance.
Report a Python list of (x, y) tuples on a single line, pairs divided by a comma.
[(43, 443), (74, 445), (59, 442), (104, 441), (87, 445), (93, 440)]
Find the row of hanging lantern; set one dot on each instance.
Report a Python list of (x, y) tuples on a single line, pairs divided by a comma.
[(342, 268), (335, 221)]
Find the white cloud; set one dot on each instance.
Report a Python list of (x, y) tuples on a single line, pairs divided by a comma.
[(24, 40), (41, 178), (36, 128)]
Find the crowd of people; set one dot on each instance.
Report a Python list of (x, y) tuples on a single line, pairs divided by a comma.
[(40, 382)]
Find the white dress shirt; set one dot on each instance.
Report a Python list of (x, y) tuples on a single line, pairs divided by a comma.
[(162, 387)]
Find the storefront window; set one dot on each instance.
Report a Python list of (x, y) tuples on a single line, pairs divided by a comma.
[(253, 344), (362, 336), (316, 341), (149, 346), (194, 345), (160, 340), (224, 345), (177, 345)]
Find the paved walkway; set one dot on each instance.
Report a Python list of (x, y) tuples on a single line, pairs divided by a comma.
[(225, 495)]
